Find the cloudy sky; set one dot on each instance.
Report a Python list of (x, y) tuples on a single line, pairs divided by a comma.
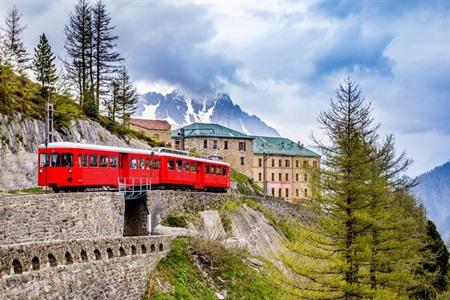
[(282, 60)]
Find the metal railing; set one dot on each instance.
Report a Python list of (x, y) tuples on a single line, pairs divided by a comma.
[(134, 186)]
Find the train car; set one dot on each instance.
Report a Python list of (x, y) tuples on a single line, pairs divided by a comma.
[(77, 167)]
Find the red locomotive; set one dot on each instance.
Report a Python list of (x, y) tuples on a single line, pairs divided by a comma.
[(77, 167)]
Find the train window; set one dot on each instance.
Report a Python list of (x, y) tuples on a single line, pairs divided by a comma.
[(133, 163), (171, 165), (93, 161), (218, 170), (213, 170), (103, 161), (141, 163), (224, 171), (43, 160), (113, 161), (186, 166), (83, 160), (148, 164), (207, 169), (55, 160), (156, 164), (67, 160), (193, 167), (179, 165)]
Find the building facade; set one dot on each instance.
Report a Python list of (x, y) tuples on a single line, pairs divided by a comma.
[(157, 129), (208, 140), (283, 167)]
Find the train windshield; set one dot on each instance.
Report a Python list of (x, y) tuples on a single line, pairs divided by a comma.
[(55, 160), (67, 160), (43, 160)]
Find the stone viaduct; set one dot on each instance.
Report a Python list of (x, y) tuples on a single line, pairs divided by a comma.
[(92, 245)]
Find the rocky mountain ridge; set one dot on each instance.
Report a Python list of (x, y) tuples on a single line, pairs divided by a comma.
[(181, 110)]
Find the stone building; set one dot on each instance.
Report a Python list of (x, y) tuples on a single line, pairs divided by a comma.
[(158, 129), (282, 165), (208, 139)]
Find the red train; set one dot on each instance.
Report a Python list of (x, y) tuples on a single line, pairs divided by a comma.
[(77, 167)]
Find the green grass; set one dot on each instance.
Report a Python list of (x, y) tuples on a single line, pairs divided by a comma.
[(31, 190), (226, 270), (175, 220), (246, 185)]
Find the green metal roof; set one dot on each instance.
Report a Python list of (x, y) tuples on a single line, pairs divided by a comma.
[(280, 146), (210, 130)]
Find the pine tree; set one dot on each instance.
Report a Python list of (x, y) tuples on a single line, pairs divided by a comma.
[(111, 104), (79, 47), (128, 99), (14, 52), (106, 58), (44, 66)]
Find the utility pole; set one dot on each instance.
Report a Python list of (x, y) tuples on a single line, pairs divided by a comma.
[(49, 135)]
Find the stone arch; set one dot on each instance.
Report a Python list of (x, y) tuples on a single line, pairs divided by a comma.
[(122, 252), (17, 266), (152, 248), (143, 249), (133, 250), (110, 253), (97, 254), (161, 247), (68, 258), (83, 256), (52, 260), (35, 265)]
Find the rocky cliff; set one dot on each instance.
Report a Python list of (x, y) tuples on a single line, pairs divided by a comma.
[(20, 137)]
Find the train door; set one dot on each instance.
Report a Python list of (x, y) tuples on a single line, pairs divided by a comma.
[(200, 176), (124, 168)]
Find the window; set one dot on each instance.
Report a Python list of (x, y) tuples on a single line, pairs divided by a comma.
[(242, 161), (273, 176), (225, 145), (287, 163), (93, 161), (55, 160), (260, 162), (306, 192), (296, 177), (133, 163), (156, 164), (287, 193), (214, 144), (186, 166), (279, 177), (213, 170), (149, 164), (205, 144), (287, 177), (113, 162), (193, 167), (259, 176), (279, 163), (103, 161), (171, 164), (305, 163), (315, 164), (43, 160), (273, 192), (296, 163), (224, 171), (83, 160), (279, 192), (141, 163), (218, 170), (242, 146), (177, 144), (179, 165), (296, 192), (273, 162), (207, 169), (67, 160), (306, 177)]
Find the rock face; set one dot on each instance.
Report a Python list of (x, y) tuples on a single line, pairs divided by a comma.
[(20, 138)]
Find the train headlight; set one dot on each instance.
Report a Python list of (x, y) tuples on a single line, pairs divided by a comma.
[(40, 171), (70, 170)]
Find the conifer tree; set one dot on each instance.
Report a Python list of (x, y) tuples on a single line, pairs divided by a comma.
[(14, 52), (79, 47), (111, 104), (106, 58), (44, 66), (128, 98)]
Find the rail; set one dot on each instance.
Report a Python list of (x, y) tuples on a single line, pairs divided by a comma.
[(134, 187)]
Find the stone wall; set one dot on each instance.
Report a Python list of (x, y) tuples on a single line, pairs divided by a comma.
[(33, 218), (109, 268)]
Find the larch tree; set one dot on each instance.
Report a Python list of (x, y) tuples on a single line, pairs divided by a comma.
[(14, 51), (128, 98), (366, 233), (106, 58), (44, 66)]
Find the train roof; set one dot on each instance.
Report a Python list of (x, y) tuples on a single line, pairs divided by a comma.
[(123, 150)]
